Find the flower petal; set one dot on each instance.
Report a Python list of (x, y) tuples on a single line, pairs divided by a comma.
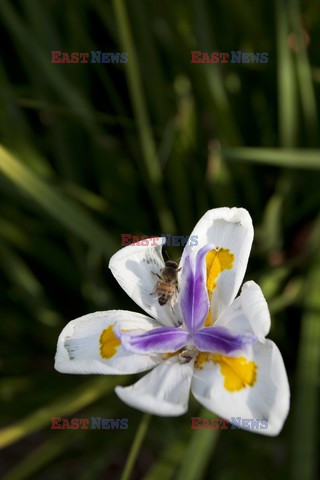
[(159, 340), (253, 389), (221, 340), (194, 302), (248, 314), (164, 391), (89, 344), (134, 267), (230, 231)]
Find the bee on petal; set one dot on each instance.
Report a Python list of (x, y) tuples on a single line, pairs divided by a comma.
[(167, 286)]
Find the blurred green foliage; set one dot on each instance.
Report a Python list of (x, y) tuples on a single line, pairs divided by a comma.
[(90, 151)]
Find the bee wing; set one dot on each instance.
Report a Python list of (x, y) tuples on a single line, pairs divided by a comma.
[(154, 259), (133, 267)]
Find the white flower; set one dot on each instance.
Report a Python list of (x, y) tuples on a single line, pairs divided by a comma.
[(208, 341)]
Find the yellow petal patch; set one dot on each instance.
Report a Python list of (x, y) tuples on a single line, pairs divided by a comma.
[(238, 372), (201, 359), (108, 343), (208, 320), (217, 261)]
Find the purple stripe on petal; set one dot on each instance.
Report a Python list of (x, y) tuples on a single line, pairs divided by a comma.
[(200, 260), (158, 340), (220, 340), (194, 297)]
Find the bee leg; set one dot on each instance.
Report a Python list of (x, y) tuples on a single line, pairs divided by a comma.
[(185, 359), (157, 275), (172, 310), (170, 305), (155, 288), (178, 322)]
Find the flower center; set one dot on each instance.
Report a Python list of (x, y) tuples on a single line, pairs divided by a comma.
[(188, 354), (185, 355)]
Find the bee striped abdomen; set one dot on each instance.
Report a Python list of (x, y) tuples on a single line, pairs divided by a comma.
[(163, 299), (165, 292), (167, 285)]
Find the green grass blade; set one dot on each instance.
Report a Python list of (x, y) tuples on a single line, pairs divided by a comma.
[(215, 83), (46, 252), (306, 402), (167, 463), (64, 112), (39, 458), (136, 92), (59, 206), (304, 75), (136, 446), (287, 87), (308, 159), (79, 398), (199, 452), (292, 294), (41, 59), (151, 67), (28, 288), (151, 162), (17, 270)]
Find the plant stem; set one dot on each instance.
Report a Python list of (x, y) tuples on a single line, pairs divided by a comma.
[(136, 445), (151, 165)]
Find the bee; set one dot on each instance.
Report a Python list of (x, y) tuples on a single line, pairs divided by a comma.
[(187, 354), (167, 285)]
